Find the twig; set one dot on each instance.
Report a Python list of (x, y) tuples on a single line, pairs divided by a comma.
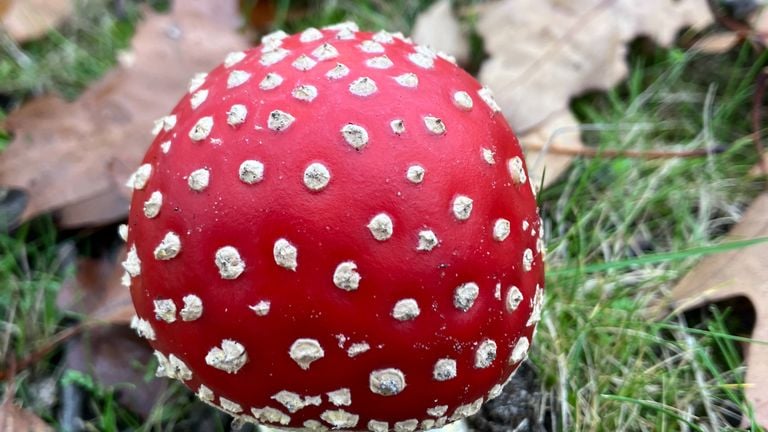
[(37, 355), (612, 153)]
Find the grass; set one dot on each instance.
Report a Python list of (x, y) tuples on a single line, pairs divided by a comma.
[(620, 233)]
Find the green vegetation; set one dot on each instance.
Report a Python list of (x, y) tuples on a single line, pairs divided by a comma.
[(620, 232)]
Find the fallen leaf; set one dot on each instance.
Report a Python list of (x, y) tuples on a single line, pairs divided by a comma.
[(544, 52), (16, 419), (77, 155), (742, 272), (25, 20), (95, 291), (560, 130), (716, 43), (438, 28)]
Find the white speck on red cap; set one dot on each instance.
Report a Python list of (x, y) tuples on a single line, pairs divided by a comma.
[(140, 177), (421, 60), (290, 400), (462, 100), (230, 406), (304, 92), (204, 393), (178, 369), (228, 261), (380, 62), (520, 351), (514, 298), (527, 260), (325, 51), (270, 81), (316, 176), (384, 37), (236, 114), (378, 426), (339, 71), (415, 174), (536, 305), (304, 351), (165, 146), (434, 125), (462, 207), (193, 308), (444, 369), (152, 204), (381, 227), (363, 86), (237, 78), (398, 126), (371, 47), (271, 415), (285, 254), (357, 348), (427, 240), (201, 129), (386, 382), (230, 357), (233, 58), (311, 34), (251, 171), (355, 135), (196, 81), (122, 231), (340, 397), (303, 63), (340, 419), (143, 328), (165, 310), (273, 56), (437, 411), (488, 156), (406, 310), (199, 179), (198, 98), (409, 425), (169, 247), (261, 308), (408, 79), (485, 354), (465, 295), (346, 276), (516, 170), (495, 391), (486, 95), (279, 120), (501, 229), (132, 263)]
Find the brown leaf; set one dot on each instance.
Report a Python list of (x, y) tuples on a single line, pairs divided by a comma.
[(76, 155), (717, 43), (561, 130), (25, 20), (743, 272), (95, 291), (439, 28), (16, 419)]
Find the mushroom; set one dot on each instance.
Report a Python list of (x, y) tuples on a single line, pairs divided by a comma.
[(336, 231)]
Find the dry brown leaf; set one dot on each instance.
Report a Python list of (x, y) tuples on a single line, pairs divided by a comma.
[(743, 272), (717, 43), (438, 28), (16, 419), (543, 52), (95, 291), (31, 19), (560, 130), (77, 155)]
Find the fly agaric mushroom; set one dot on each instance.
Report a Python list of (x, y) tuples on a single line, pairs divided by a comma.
[(335, 230)]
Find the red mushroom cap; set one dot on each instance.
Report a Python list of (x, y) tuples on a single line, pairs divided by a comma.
[(336, 230)]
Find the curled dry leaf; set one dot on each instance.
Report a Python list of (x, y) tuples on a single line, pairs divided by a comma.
[(25, 20), (77, 156), (560, 130), (741, 272), (543, 52)]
